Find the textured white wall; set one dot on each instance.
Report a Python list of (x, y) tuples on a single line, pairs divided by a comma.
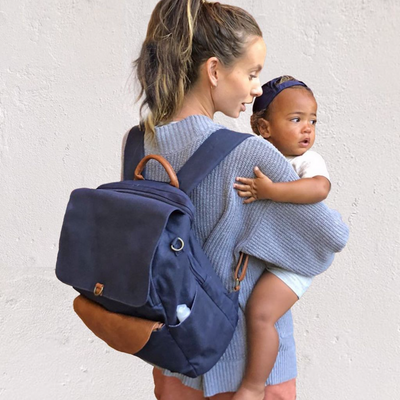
[(66, 101)]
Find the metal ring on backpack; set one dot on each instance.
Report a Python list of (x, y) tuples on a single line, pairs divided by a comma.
[(182, 244)]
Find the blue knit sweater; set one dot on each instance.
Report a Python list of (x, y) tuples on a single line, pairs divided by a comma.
[(299, 238)]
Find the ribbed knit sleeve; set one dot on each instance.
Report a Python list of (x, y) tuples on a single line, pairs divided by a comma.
[(297, 237)]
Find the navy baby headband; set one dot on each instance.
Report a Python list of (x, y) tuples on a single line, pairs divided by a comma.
[(270, 90)]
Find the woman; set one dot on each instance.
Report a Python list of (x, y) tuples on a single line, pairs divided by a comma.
[(199, 58)]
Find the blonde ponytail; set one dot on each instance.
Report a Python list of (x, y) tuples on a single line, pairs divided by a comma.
[(181, 35)]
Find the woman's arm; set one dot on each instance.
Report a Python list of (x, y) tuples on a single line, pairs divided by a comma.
[(301, 238), (124, 140)]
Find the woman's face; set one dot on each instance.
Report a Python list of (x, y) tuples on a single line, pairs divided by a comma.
[(240, 83)]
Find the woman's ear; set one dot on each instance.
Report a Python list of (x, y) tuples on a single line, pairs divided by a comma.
[(212, 65), (264, 128)]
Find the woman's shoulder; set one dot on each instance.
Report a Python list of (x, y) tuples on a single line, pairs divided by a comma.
[(254, 151), (254, 143), (257, 144)]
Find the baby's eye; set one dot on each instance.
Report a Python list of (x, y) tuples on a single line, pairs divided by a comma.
[(253, 77), (313, 122), (295, 119)]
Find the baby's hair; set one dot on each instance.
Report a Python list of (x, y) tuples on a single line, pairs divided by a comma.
[(266, 113), (181, 36)]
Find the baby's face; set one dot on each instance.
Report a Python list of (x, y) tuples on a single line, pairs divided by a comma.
[(291, 125)]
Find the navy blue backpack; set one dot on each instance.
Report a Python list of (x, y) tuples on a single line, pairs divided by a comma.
[(129, 249)]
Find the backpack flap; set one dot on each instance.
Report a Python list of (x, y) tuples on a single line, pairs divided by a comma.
[(101, 251)]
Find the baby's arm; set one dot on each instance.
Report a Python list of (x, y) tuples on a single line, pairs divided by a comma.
[(302, 191)]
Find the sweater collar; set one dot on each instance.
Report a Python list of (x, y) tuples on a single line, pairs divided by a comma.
[(177, 135)]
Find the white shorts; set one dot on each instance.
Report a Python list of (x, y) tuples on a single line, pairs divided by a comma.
[(298, 283)]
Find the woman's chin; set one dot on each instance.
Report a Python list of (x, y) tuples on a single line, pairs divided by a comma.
[(234, 114)]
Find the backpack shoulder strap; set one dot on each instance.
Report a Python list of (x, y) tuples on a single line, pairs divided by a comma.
[(210, 153), (133, 152)]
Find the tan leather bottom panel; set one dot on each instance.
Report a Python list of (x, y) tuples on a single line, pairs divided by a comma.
[(121, 332)]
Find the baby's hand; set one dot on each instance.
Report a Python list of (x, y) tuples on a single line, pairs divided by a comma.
[(254, 188)]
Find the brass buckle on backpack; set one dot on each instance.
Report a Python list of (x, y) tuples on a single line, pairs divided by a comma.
[(98, 289)]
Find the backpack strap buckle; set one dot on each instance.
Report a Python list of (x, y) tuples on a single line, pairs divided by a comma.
[(98, 289)]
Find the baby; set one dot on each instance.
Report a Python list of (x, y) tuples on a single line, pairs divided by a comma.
[(285, 115)]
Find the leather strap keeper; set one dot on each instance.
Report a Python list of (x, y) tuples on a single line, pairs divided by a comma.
[(121, 332)]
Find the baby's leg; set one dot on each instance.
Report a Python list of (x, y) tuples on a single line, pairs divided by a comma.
[(270, 299)]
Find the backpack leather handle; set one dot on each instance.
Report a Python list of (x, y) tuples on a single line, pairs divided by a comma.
[(167, 166)]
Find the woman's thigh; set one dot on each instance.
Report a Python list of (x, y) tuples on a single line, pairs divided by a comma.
[(282, 391), (170, 388)]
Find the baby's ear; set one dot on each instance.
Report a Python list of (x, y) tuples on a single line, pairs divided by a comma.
[(263, 128)]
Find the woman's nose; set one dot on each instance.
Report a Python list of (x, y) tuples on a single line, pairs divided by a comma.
[(257, 91)]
